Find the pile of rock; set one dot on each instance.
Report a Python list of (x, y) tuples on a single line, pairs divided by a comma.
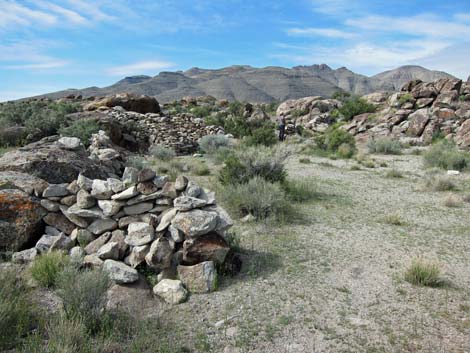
[(420, 111), (180, 132), (313, 113), (140, 220)]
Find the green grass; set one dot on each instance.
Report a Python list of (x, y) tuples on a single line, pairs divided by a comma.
[(384, 145), (394, 219), (300, 190), (440, 183), (46, 268), (444, 155), (422, 272)]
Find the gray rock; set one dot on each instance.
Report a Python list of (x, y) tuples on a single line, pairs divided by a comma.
[(159, 255), (59, 221), (130, 176), (77, 254), (100, 226), (101, 190), (116, 185), (56, 190), (92, 261), (208, 196), (84, 199), (73, 187), (96, 244), (176, 234), (62, 242), (171, 291), (147, 188), (45, 242), (70, 143), (119, 236), (94, 212), (139, 234), (224, 221), (49, 205), (84, 183), (110, 250), (52, 231), (166, 219), (26, 182), (84, 237), (145, 174), (138, 208), (110, 207), (77, 220), (200, 278), (192, 189), (143, 198), (169, 190), (120, 272), (25, 256), (159, 181), (125, 221), (181, 182), (126, 194), (68, 200), (137, 255), (187, 203), (196, 222)]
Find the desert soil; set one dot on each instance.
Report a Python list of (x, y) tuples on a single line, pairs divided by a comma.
[(333, 279)]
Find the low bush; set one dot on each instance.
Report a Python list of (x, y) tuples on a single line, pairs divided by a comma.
[(261, 136), (253, 162), (394, 219), (46, 268), (336, 141), (445, 155), (16, 312), (305, 160), (394, 173), (200, 169), (162, 153), (201, 111), (300, 190), (440, 183), (422, 272), (384, 145), (136, 162), (83, 129), (210, 144), (453, 200), (84, 296), (257, 197), (355, 106)]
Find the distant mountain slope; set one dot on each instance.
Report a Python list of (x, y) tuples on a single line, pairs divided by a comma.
[(246, 83)]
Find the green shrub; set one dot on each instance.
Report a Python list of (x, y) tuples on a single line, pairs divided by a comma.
[(423, 273), (253, 162), (136, 162), (16, 312), (210, 144), (341, 95), (394, 173), (84, 296), (445, 155), (336, 141), (46, 268), (300, 190), (394, 219), (200, 169), (83, 129), (201, 111), (440, 183), (262, 136), (355, 106), (407, 97), (257, 197), (305, 160), (162, 153), (384, 145)]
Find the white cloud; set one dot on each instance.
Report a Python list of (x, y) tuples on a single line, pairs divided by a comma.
[(322, 32), (46, 64), (91, 9), (13, 13), (141, 67), (334, 7), (67, 14)]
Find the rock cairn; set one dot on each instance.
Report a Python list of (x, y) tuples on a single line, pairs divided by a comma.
[(141, 219)]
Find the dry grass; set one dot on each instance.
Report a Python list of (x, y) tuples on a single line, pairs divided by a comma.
[(453, 200)]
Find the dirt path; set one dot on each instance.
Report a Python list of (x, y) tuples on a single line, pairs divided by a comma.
[(333, 281)]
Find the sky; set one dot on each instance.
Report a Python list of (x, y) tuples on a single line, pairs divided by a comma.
[(50, 45)]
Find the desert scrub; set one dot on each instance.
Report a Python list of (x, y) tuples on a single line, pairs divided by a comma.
[(336, 141), (394, 173), (83, 129), (423, 272), (355, 106), (305, 160), (262, 136), (445, 155), (137, 162), (394, 219), (384, 145), (162, 153), (248, 163), (210, 144), (439, 183), (300, 190), (17, 314), (257, 197), (453, 200), (84, 295), (47, 267)]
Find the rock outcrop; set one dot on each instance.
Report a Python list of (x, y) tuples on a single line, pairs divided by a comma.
[(132, 102)]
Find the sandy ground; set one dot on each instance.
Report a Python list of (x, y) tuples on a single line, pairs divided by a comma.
[(333, 280)]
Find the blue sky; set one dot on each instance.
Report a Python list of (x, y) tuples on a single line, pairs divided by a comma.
[(48, 45)]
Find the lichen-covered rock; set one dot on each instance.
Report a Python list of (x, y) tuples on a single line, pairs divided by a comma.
[(20, 219), (207, 247), (30, 184), (200, 278), (119, 272), (139, 234), (160, 254), (196, 222)]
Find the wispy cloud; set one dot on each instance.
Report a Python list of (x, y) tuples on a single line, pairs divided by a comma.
[(68, 14), (141, 67), (47, 64), (322, 32), (13, 13), (335, 7)]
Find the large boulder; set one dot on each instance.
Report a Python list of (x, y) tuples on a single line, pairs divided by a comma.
[(140, 104), (26, 182), (462, 138), (45, 159), (207, 247), (20, 219), (418, 121), (171, 291), (200, 278)]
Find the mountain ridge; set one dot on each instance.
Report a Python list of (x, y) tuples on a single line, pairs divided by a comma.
[(258, 85)]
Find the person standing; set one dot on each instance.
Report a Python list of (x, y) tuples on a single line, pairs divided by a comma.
[(282, 128)]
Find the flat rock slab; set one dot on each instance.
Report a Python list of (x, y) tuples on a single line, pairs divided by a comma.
[(119, 272), (196, 222)]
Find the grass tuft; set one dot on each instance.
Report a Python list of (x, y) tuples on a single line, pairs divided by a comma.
[(422, 272)]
